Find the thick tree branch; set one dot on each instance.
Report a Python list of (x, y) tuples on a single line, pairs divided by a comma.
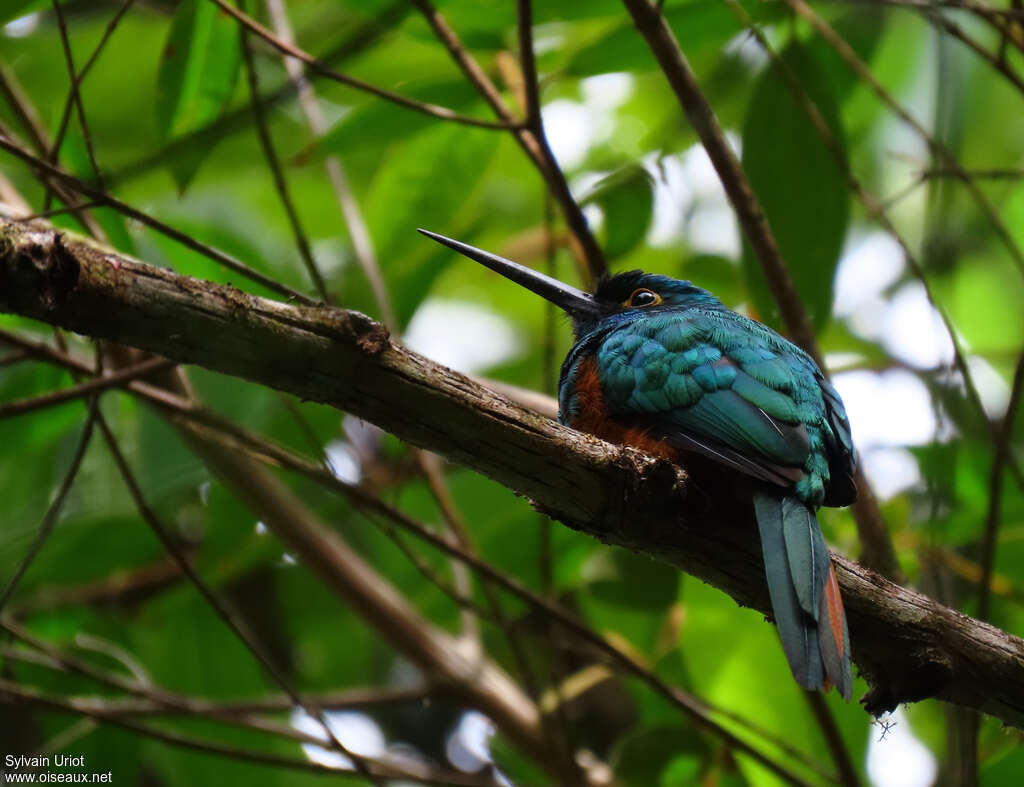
[(908, 646)]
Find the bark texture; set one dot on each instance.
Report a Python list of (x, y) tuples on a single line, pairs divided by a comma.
[(906, 645)]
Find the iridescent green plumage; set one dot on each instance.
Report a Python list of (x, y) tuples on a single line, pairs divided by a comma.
[(695, 367), (662, 364), (701, 378)]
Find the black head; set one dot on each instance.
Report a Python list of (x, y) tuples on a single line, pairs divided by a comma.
[(622, 296)]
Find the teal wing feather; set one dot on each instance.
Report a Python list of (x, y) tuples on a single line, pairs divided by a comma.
[(842, 459), (705, 387)]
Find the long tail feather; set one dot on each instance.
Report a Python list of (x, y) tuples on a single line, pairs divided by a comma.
[(834, 637), (805, 549), (796, 627), (805, 594)]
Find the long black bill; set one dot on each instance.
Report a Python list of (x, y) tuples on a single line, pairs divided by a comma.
[(576, 303)]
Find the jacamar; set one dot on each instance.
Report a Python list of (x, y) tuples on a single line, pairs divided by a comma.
[(664, 366)]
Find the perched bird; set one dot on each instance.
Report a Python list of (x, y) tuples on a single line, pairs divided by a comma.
[(663, 365)]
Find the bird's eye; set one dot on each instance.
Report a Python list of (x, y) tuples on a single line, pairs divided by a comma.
[(643, 297)]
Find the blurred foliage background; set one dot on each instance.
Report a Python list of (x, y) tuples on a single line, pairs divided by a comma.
[(171, 126)]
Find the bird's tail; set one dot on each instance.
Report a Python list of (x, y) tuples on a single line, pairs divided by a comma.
[(805, 595)]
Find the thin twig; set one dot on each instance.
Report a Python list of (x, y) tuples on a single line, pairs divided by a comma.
[(228, 615), (432, 469), (591, 252), (524, 25), (977, 174), (12, 358), (545, 560), (50, 519), (94, 386), (28, 117), (940, 151), (162, 704), (183, 238), (431, 465), (597, 265), (995, 491), (997, 62), (77, 78), (358, 230), (66, 738), (280, 183), (462, 600), (345, 699), (433, 110), (976, 7), (833, 739), (360, 39), (49, 214), (663, 44), (75, 96), (149, 700), (378, 770)]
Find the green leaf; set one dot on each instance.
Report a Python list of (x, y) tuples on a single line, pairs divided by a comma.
[(627, 579), (15, 9), (862, 29), (424, 184), (643, 756), (800, 186), (627, 199), (378, 123), (197, 76), (699, 25)]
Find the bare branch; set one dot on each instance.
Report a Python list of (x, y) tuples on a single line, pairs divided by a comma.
[(82, 390), (908, 646), (29, 119)]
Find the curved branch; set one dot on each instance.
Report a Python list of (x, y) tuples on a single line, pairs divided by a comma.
[(907, 646), (285, 48)]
